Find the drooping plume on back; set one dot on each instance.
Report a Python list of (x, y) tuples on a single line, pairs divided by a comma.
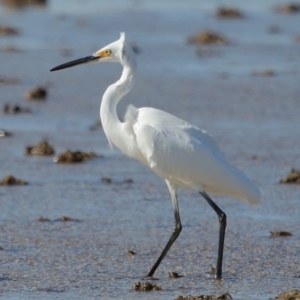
[(186, 155), (233, 182)]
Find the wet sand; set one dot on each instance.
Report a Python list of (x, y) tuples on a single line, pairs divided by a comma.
[(254, 118)]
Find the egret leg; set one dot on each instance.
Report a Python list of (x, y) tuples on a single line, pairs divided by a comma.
[(223, 222), (176, 231)]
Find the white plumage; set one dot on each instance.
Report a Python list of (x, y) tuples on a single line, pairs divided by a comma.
[(182, 154)]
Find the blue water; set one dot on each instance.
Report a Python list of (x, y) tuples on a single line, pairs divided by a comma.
[(247, 114)]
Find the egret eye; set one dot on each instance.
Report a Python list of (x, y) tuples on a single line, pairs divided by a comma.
[(107, 52)]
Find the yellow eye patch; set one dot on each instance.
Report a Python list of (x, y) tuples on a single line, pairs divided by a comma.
[(104, 53)]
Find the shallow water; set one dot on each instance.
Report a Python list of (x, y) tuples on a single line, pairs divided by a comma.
[(247, 114)]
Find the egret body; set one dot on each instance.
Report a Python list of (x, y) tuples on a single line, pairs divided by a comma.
[(182, 154)]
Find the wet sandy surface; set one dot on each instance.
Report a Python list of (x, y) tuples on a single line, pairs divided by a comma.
[(254, 118)]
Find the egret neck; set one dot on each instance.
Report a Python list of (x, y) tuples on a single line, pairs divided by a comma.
[(111, 123)]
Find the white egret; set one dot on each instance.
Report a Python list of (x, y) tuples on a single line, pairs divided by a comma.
[(182, 154)]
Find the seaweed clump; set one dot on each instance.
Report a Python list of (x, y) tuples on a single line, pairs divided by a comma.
[(205, 297), (289, 295), (280, 233), (146, 286), (14, 109), (37, 93), (20, 3), (10, 180), (292, 177), (288, 8), (42, 148), (73, 157), (207, 37), (174, 275), (265, 72), (4, 133), (229, 12), (5, 30), (61, 219)]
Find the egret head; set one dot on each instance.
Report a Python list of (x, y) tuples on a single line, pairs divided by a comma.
[(117, 51), (112, 52)]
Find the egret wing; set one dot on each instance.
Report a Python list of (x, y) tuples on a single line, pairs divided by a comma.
[(173, 147), (187, 156)]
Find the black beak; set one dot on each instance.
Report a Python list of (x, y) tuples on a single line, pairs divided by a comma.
[(76, 62)]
